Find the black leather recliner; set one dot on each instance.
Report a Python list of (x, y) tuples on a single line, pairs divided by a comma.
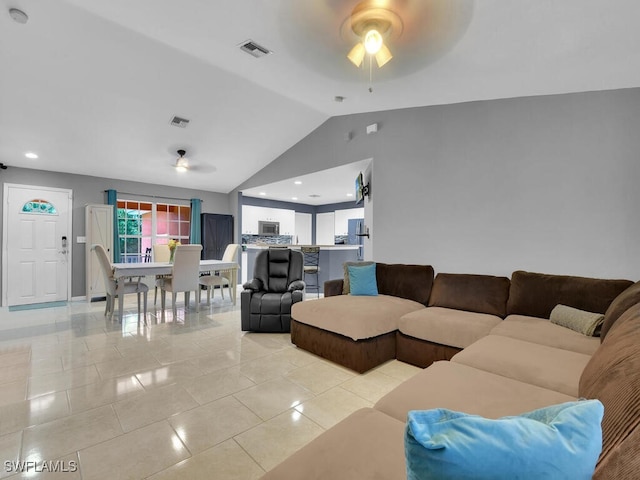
[(265, 302)]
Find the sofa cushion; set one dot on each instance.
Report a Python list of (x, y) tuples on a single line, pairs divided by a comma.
[(535, 294), (621, 304), (540, 365), (613, 377), (542, 331), (562, 442), (473, 293), (354, 316), (466, 389), (405, 281), (586, 323), (362, 280), (346, 284), (446, 326), (365, 445)]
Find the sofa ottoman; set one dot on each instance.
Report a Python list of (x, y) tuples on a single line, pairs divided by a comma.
[(359, 332)]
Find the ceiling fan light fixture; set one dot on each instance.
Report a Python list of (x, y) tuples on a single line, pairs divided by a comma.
[(372, 41), (383, 56), (182, 164), (374, 24), (356, 55)]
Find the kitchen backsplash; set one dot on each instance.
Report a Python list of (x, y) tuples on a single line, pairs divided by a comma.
[(268, 239)]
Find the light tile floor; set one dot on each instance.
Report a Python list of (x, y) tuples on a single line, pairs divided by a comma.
[(186, 397)]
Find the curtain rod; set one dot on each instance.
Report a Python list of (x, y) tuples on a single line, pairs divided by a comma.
[(155, 196)]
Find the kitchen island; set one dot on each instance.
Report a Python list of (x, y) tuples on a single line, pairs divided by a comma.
[(332, 257)]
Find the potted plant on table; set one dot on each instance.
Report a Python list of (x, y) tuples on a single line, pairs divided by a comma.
[(173, 243)]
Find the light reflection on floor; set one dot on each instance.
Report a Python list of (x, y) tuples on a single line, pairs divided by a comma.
[(192, 394)]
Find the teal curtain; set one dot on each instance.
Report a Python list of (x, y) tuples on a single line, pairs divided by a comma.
[(196, 208), (112, 199)]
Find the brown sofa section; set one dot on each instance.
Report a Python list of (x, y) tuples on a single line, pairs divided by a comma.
[(358, 332), (358, 355), (535, 294), (472, 293), (621, 304), (421, 353), (613, 377), (412, 282), (523, 363)]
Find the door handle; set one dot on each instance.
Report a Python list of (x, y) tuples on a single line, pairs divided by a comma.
[(64, 245)]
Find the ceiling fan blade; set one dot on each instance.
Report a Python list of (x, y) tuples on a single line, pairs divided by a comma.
[(356, 55), (383, 56)]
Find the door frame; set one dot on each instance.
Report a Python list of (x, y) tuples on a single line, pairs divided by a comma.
[(5, 233)]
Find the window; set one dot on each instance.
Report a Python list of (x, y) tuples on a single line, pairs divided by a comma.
[(143, 224), (39, 206)]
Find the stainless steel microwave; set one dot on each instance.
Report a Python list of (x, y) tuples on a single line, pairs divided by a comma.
[(268, 228)]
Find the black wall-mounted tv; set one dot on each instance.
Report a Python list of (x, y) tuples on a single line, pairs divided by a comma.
[(359, 188)]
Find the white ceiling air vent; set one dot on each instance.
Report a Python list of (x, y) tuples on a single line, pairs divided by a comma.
[(252, 48), (179, 122)]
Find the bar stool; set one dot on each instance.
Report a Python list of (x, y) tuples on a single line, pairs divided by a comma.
[(311, 266)]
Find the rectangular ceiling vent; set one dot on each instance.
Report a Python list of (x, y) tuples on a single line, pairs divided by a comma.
[(179, 122), (252, 48)]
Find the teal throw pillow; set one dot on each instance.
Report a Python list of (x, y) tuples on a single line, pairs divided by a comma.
[(560, 442), (362, 280)]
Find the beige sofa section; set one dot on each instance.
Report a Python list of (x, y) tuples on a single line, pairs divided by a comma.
[(540, 365), (540, 330), (366, 445), (466, 389), (356, 317), (447, 326)]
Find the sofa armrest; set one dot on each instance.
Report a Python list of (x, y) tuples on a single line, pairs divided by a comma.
[(333, 287), (255, 285), (296, 285)]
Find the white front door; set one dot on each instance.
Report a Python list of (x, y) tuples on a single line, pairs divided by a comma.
[(37, 244)]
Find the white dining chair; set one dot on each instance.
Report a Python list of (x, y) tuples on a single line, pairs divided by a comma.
[(223, 279), (184, 276), (161, 253), (118, 287)]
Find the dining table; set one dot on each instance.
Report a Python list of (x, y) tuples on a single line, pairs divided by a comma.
[(141, 269)]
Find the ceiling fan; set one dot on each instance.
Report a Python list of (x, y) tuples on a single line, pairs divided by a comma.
[(183, 164), (373, 23)]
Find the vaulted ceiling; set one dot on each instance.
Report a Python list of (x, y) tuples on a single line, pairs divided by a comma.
[(91, 85)]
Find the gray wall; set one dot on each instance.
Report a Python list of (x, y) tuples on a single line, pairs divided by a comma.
[(91, 190), (545, 184)]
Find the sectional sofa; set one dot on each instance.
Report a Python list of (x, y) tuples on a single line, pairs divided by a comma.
[(489, 349)]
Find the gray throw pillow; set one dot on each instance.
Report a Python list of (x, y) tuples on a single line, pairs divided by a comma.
[(586, 323)]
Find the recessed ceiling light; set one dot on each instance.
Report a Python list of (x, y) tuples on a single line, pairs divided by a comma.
[(294, 198), (31, 155), (349, 194), (298, 182), (262, 193)]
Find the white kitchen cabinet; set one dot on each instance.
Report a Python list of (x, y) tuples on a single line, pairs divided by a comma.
[(342, 218), (287, 219), (251, 215), (303, 229), (325, 228)]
